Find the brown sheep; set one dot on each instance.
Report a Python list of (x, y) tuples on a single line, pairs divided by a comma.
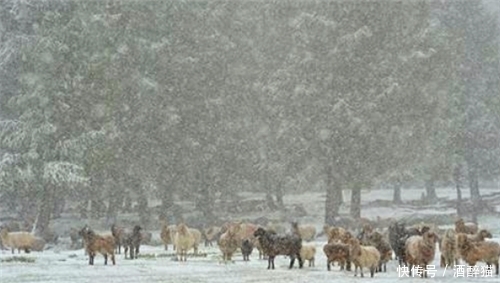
[(472, 252), (337, 252), (274, 245), (94, 244), (118, 234), (363, 256), (166, 234), (466, 228), (420, 250), (334, 234)]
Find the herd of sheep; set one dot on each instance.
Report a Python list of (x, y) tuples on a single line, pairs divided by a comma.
[(370, 249)]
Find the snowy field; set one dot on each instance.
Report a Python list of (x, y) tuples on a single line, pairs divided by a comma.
[(60, 265), (72, 266)]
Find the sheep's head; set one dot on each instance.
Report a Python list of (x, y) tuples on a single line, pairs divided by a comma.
[(4, 231), (485, 234), (459, 223), (259, 232), (84, 230), (424, 229), (137, 228), (375, 237), (346, 237), (182, 228), (430, 237)]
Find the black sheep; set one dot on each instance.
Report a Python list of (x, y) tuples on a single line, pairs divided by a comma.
[(246, 249), (273, 245), (132, 242)]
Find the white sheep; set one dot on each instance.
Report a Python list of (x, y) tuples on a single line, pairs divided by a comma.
[(17, 240), (306, 232), (307, 252), (184, 241), (363, 256)]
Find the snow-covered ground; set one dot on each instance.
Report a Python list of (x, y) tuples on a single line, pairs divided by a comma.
[(72, 266)]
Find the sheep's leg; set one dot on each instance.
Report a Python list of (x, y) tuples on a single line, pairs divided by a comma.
[(361, 271), (348, 267), (131, 252), (355, 270), (292, 261), (125, 251), (269, 262), (105, 259), (136, 251), (372, 272), (301, 260), (328, 264)]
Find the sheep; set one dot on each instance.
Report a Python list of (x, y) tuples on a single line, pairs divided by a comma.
[(338, 252), (420, 250), (229, 242), (306, 232), (95, 243), (210, 234), (472, 252), (334, 234), (480, 236), (132, 242), (197, 238), (274, 245), (257, 245), (363, 256), (146, 237), (166, 235), (75, 238), (246, 249), (448, 248), (466, 228), (307, 252), (17, 240), (377, 240), (398, 234), (184, 240), (38, 244), (364, 234), (118, 233)]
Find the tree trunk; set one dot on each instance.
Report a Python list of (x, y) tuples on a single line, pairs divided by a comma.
[(334, 197), (430, 190), (46, 208), (474, 191), (143, 209), (206, 204), (396, 197), (59, 204), (114, 201), (457, 177), (167, 200), (279, 197), (355, 210)]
